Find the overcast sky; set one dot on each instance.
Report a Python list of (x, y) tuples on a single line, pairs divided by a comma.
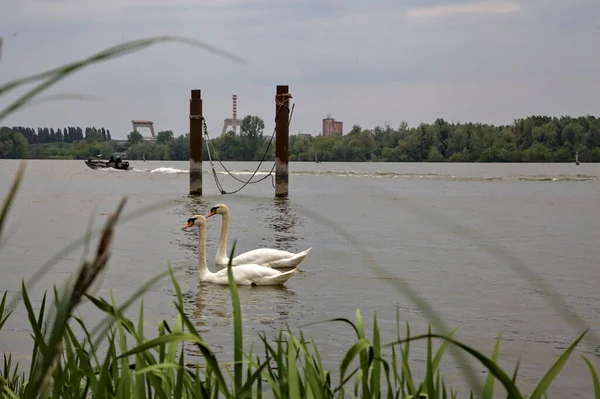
[(364, 62)]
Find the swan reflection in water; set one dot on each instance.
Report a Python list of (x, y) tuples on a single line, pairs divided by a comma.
[(282, 220), (195, 205), (263, 306)]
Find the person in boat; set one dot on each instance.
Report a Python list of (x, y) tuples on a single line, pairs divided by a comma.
[(112, 161)]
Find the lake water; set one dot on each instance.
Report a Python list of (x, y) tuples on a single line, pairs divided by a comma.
[(460, 234)]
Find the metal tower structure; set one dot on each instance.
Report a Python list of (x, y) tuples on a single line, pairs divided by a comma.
[(233, 121), (150, 125)]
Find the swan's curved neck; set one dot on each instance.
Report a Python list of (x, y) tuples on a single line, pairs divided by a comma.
[(202, 266), (222, 252)]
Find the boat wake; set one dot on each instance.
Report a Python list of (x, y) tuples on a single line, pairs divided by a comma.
[(164, 169), (389, 175)]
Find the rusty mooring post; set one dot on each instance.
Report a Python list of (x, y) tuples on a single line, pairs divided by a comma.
[(196, 143), (282, 140)]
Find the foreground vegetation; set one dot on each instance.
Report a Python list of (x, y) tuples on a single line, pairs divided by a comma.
[(100, 362), (532, 139)]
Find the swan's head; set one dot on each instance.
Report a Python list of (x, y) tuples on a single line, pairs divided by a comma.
[(196, 220), (219, 209)]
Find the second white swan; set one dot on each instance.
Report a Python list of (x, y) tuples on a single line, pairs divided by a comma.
[(268, 257), (246, 274)]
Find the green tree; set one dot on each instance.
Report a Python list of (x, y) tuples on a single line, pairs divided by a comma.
[(252, 132), (135, 137), (163, 137), (252, 127), (13, 145), (435, 155), (179, 148)]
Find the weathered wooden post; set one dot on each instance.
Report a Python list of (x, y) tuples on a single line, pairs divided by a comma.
[(196, 143), (577, 158), (282, 140)]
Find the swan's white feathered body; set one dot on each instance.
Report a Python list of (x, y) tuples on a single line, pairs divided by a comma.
[(244, 274), (251, 275), (269, 257)]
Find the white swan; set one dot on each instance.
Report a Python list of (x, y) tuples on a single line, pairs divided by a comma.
[(247, 274), (268, 257)]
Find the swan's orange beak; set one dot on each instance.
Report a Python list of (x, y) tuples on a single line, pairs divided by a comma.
[(188, 225), (211, 213)]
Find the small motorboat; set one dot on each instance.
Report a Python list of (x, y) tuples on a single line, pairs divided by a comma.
[(113, 163)]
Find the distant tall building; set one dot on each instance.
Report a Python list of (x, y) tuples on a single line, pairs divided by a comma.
[(331, 127)]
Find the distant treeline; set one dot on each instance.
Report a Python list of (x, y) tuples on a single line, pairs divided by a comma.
[(77, 143), (66, 135), (531, 139)]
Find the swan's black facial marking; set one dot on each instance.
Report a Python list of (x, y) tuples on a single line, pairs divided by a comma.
[(190, 223), (212, 212), (192, 220)]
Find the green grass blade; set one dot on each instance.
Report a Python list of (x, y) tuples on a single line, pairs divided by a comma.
[(156, 367), (12, 193), (515, 373), (342, 319), (376, 368), (140, 387), (544, 384), (388, 378), (407, 378), (354, 351), (364, 362), (430, 371), (595, 380), (211, 360), (440, 353), (246, 390), (40, 381), (3, 317), (36, 324), (488, 363), (125, 376), (181, 373), (175, 285), (238, 338), (292, 371), (173, 337), (488, 388)]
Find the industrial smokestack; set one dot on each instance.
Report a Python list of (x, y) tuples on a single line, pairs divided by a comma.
[(234, 118)]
